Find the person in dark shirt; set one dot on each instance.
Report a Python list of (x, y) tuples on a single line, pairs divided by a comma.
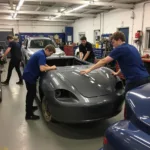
[(35, 65), (86, 51), (15, 50), (129, 61)]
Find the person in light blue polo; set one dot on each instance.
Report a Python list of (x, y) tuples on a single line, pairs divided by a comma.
[(35, 65)]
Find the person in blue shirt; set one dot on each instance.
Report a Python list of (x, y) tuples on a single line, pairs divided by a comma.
[(35, 65), (129, 61)]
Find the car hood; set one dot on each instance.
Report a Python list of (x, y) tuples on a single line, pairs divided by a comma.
[(58, 51), (95, 84)]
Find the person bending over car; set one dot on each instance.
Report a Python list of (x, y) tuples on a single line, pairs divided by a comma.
[(129, 61), (86, 50), (35, 65)]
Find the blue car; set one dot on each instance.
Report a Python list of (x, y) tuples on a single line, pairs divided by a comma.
[(132, 133)]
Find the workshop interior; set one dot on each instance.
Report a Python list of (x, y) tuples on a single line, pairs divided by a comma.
[(90, 63)]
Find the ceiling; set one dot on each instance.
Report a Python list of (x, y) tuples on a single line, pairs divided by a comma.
[(59, 10)]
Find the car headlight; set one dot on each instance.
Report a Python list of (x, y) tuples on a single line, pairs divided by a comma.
[(65, 96), (119, 87)]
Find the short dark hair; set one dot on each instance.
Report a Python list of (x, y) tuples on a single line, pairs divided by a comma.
[(50, 48), (118, 36), (9, 37), (83, 38)]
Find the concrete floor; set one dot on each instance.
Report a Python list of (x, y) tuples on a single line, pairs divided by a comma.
[(18, 134)]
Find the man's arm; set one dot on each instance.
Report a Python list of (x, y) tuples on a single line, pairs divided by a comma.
[(99, 64), (116, 73), (86, 55), (81, 55), (6, 52), (44, 68)]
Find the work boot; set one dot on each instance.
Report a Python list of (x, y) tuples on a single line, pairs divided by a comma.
[(19, 82), (5, 82), (32, 117)]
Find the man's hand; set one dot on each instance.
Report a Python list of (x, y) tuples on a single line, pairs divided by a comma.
[(54, 67), (2, 58), (115, 73), (85, 71)]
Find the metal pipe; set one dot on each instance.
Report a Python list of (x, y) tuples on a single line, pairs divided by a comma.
[(144, 14), (29, 25), (143, 18), (100, 24), (103, 23)]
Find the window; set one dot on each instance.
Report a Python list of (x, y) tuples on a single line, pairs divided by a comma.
[(41, 43), (148, 38), (25, 43)]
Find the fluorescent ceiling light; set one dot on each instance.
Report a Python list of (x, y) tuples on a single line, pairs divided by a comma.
[(18, 7), (77, 8), (62, 9), (56, 17), (15, 15)]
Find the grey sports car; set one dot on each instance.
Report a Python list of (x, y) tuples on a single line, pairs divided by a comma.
[(69, 97), (33, 44)]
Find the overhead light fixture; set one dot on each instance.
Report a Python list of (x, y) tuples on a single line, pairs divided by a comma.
[(56, 17), (18, 7), (20, 4), (77, 8), (15, 15), (62, 9)]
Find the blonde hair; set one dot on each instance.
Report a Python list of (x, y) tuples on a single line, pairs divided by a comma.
[(15, 38)]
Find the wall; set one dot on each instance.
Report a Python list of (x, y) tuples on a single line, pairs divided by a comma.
[(33, 26), (87, 25), (117, 19), (140, 17), (112, 20), (106, 22)]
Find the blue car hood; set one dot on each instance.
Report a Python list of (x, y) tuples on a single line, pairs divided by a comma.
[(139, 101)]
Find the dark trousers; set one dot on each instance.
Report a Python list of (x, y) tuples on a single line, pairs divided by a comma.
[(31, 94), (14, 64), (132, 85)]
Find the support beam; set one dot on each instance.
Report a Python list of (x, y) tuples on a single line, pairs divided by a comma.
[(38, 8), (46, 13), (11, 4), (35, 19), (117, 5)]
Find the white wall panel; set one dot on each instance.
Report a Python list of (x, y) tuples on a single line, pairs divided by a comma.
[(113, 20)]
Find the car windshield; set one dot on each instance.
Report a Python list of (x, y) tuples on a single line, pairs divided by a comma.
[(41, 43)]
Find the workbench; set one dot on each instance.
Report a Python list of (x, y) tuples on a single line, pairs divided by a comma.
[(146, 61)]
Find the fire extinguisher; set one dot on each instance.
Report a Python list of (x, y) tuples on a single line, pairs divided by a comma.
[(138, 36)]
